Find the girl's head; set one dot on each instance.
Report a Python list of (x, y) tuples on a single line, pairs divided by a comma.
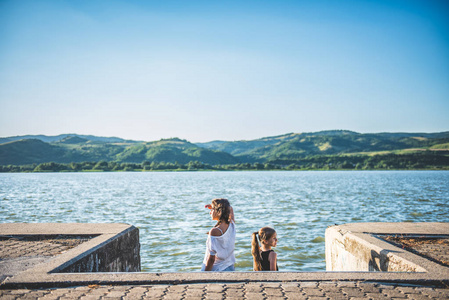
[(268, 237), (220, 210)]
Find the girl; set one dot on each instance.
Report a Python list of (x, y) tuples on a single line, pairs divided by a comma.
[(265, 259), (220, 242)]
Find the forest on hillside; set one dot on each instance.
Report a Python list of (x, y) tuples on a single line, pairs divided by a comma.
[(415, 161), (329, 150)]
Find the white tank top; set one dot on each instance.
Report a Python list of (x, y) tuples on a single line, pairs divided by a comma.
[(222, 247)]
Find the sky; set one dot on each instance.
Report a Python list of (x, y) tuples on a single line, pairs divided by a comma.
[(222, 70)]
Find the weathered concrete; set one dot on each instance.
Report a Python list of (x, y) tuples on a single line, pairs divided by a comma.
[(359, 247), (21, 252), (435, 248), (102, 248), (118, 254), (429, 280)]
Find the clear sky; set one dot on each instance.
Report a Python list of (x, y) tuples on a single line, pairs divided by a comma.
[(229, 70)]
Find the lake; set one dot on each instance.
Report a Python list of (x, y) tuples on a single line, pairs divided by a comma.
[(168, 207)]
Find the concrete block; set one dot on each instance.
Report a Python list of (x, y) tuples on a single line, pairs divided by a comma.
[(357, 247)]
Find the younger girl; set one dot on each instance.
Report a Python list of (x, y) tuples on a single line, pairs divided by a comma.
[(220, 242), (265, 259)]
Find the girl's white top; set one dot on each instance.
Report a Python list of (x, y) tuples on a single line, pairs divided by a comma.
[(222, 247)]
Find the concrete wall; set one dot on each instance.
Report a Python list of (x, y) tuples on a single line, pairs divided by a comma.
[(118, 254), (115, 247), (358, 251)]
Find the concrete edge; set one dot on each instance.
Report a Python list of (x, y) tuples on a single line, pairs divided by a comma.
[(104, 233), (41, 276), (83, 279), (63, 260), (395, 253), (391, 228), (366, 236), (421, 263), (37, 229)]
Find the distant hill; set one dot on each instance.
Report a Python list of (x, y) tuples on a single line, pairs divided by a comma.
[(78, 149), (73, 140), (282, 149), (29, 152), (174, 150), (245, 147), (297, 145), (57, 138)]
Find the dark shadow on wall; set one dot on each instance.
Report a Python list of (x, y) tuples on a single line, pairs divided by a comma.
[(380, 261)]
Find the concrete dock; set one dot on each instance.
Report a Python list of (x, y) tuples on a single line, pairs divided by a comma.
[(101, 261)]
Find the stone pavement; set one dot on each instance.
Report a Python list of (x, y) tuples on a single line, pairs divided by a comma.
[(352, 290), (30, 269), (19, 253), (435, 249), (29, 246)]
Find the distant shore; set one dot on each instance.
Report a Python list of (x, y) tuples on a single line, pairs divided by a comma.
[(198, 166)]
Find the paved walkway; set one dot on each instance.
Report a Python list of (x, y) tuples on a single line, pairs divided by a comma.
[(18, 254), (303, 290), (435, 249), (28, 246)]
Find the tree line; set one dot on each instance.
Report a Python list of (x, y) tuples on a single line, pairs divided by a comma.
[(413, 161)]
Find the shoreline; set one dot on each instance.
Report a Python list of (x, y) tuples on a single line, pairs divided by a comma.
[(228, 170)]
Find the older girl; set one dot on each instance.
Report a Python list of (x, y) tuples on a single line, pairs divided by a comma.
[(220, 242), (265, 259)]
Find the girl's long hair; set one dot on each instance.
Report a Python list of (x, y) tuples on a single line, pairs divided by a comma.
[(255, 251), (223, 209), (265, 233)]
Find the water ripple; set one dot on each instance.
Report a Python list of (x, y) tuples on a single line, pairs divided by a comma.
[(168, 208)]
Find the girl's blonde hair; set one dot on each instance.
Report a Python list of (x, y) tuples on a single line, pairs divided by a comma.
[(265, 233)]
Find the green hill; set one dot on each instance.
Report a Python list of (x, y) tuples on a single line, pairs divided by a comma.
[(299, 145), (29, 151), (174, 150), (61, 137), (73, 140), (325, 148), (76, 149)]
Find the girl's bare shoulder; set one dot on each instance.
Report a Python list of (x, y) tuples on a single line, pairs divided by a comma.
[(215, 232)]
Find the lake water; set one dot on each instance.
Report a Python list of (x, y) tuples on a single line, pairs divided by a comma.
[(168, 207)]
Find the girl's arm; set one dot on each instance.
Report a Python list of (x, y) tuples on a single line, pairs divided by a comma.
[(210, 262), (272, 257), (231, 215)]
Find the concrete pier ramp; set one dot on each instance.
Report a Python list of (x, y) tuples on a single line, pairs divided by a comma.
[(37, 250), (388, 247), (101, 261)]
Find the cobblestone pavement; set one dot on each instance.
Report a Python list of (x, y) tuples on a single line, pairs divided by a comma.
[(302, 290), (15, 246), (437, 249)]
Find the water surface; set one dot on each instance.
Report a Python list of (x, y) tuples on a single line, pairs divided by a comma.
[(168, 207)]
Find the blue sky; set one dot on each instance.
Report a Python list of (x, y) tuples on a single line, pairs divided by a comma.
[(229, 70)]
